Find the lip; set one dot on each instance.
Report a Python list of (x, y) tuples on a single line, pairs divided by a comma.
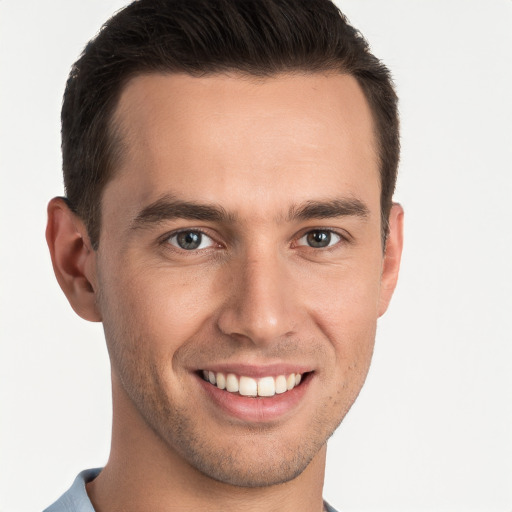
[(257, 371), (256, 409)]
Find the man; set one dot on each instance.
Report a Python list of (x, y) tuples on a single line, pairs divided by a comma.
[(229, 169)]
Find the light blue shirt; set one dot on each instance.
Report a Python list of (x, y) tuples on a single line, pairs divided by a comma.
[(76, 499)]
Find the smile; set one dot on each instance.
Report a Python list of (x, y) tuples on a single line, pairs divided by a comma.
[(251, 387)]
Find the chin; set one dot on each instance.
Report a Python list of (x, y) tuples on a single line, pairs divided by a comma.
[(258, 461), (255, 457)]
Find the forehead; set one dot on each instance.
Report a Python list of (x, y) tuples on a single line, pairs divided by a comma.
[(211, 138)]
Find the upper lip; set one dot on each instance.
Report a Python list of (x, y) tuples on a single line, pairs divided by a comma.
[(257, 371)]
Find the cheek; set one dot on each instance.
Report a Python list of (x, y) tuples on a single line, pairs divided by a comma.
[(348, 319), (346, 311), (157, 309)]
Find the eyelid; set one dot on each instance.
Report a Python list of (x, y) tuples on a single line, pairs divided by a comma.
[(343, 236), (165, 239)]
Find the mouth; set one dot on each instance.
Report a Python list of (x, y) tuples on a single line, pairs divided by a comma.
[(263, 387), (256, 394)]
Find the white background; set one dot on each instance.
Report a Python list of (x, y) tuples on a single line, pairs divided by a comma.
[(432, 429)]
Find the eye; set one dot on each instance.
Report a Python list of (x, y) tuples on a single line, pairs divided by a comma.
[(319, 238), (190, 240)]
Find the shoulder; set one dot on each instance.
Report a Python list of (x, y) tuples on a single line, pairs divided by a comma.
[(75, 499), (328, 507)]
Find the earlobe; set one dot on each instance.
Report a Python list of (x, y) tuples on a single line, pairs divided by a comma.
[(392, 257), (73, 259)]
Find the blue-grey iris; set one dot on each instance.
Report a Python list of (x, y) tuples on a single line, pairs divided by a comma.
[(189, 240), (318, 238)]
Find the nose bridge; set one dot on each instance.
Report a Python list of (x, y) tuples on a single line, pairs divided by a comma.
[(258, 306)]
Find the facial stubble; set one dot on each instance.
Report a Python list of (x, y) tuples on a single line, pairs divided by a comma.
[(256, 455)]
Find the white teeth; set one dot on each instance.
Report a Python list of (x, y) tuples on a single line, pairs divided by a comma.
[(231, 383), (248, 386), (281, 384), (266, 386), (221, 381)]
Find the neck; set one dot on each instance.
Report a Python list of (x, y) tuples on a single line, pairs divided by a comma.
[(144, 473)]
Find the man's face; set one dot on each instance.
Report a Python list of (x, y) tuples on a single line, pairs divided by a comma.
[(241, 237)]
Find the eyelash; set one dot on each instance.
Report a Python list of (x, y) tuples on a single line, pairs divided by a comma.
[(168, 237), (342, 239)]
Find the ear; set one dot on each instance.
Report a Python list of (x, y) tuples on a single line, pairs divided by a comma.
[(73, 259), (392, 256)]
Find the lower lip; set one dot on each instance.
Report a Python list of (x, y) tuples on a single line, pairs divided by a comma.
[(256, 409)]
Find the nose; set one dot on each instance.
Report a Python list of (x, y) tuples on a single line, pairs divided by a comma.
[(260, 306)]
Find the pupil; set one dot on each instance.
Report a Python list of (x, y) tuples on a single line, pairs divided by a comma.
[(189, 240), (319, 238)]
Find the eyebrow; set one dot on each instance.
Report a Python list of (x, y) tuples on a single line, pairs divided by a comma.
[(170, 208), (329, 209)]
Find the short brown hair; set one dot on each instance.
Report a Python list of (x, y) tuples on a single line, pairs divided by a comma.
[(199, 37)]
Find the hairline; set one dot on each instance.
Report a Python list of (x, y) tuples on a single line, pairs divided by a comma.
[(117, 137)]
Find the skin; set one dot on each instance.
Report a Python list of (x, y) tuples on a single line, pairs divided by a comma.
[(254, 293)]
